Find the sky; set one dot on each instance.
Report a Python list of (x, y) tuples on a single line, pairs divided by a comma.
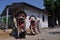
[(37, 3)]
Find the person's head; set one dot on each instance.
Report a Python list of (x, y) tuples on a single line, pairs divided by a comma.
[(21, 14), (32, 18)]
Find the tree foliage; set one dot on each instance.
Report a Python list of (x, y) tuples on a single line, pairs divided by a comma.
[(4, 20), (58, 7), (52, 6)]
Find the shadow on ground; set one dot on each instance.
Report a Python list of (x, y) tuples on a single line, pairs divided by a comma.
[(54, 32)]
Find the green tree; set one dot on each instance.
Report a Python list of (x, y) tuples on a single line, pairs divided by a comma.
[(58, 9), (53, 6), (4, 20), (49, 5)]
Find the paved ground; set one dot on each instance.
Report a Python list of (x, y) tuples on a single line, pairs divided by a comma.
[(45, 34)]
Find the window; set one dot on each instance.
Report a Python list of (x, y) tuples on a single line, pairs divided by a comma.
[(43, 18)]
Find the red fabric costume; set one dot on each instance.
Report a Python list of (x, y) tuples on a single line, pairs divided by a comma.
[(32, 24), (21, 25)]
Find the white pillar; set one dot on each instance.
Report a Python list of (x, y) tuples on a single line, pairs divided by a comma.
[(7, 11), (57, 23)]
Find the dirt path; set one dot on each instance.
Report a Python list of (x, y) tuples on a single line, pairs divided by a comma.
[(45, 34)]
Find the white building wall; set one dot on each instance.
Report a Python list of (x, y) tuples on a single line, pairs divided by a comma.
[(30, 12), (44, 24)]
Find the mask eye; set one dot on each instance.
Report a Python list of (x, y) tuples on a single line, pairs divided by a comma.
[(23, 16)]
